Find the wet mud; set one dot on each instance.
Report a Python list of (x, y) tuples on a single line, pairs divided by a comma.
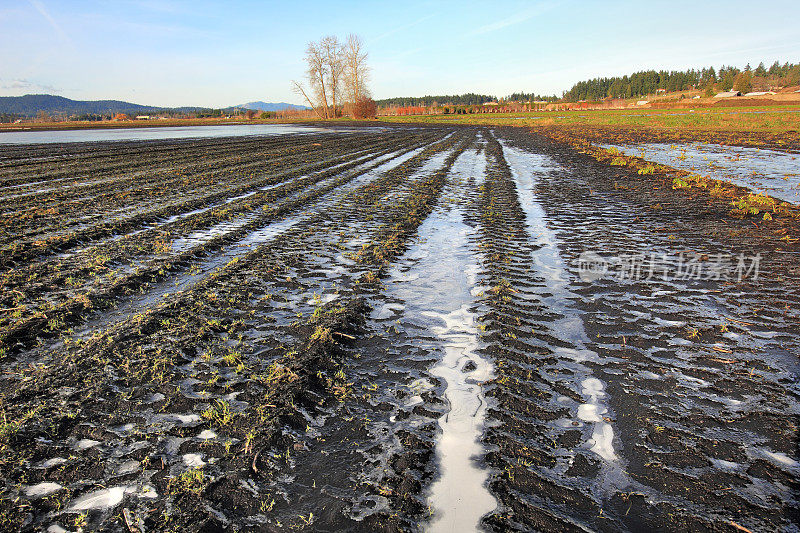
[(388, 331)]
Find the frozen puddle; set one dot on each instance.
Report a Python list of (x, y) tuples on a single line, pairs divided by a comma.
[(546, 260), (40, 490), (437, 280), (110, 498), (765, 171)]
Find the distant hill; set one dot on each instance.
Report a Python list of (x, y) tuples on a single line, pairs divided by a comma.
[(270, 106), (31, 104)]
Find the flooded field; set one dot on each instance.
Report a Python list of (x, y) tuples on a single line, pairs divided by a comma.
[(405, 329), (766, 171), (158, 133)]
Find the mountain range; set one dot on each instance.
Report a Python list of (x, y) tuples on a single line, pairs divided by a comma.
[(31, 104)]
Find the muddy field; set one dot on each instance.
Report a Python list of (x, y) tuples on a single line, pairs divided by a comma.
[(410, 328)]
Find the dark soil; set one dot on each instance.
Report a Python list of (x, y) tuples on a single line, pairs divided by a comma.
[(192, 324)]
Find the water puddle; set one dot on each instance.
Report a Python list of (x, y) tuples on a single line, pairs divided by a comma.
[(568, 327), (434, 288), (765, 171)]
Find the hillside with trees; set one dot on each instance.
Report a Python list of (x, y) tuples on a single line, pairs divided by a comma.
[(48, 106), (530, 97), (32, 104), (649, 81)]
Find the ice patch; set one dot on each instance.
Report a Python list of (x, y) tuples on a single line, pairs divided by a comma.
[(40, 490), (649, 375), (207, 434), (124, 429), (691, 380), (110, 498), (764, 334), (602, 442), (55, 461), (663, 293), (781, 458), (182, 420), (593, 387), (669, 323), (589, 413), (731, 401), (579, 356), (193, 460), (99, 499), (85, 444), (724, 465), (128, 467)]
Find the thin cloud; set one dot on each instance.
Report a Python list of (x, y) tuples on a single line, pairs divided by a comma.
[(38, 6), (25, 85), (406, 53), (158, 6), (171, 30), (402, 28), (518, 18)]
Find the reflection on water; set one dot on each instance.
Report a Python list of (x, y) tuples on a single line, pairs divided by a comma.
[(434, 289), (765, 171), (158, 133), (575, 357)]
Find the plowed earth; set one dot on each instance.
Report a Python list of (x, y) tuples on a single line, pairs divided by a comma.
[(386, 331)]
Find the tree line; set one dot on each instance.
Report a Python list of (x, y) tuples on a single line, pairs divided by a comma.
[(530, 97), (426, 101), (649, 81), (337, 74)]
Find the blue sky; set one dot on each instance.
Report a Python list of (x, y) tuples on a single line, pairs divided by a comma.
[(217, 54)]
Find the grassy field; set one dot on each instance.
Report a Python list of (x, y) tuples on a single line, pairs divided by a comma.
[(766, 119), (777, 119)]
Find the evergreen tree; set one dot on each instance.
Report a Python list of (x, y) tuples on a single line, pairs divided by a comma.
[(743, 82)]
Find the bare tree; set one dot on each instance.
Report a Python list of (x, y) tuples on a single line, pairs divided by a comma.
[(333, 58), (356, 71), (298, 88), (336, 73), (317, 74)]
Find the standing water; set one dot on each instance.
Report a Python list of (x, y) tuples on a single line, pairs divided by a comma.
[(438, 282), (765, 171), (161, 133), (557, 297)]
